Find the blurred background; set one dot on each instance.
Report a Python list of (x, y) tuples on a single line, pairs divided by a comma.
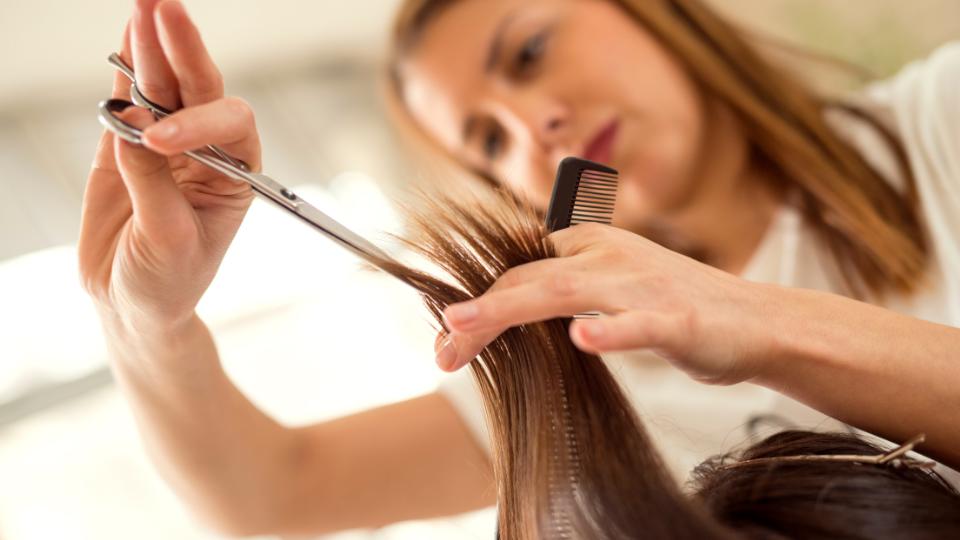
[(292, 315)]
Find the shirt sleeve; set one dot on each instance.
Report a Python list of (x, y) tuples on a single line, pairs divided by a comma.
[(926, 104), (924, 100)]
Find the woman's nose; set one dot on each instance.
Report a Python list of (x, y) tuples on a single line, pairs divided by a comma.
[(552, 126), (541, 120)]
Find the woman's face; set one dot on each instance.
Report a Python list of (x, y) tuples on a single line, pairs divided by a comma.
[(511, 87)]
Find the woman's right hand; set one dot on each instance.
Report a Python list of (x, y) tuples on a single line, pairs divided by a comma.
[(155, 223)]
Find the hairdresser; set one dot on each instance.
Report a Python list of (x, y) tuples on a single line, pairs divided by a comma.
[(764, 235)]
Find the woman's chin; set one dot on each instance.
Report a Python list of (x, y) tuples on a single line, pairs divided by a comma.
[(653, 191), (639, 193)]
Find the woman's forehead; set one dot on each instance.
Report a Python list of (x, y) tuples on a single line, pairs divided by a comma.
[(444, 73)]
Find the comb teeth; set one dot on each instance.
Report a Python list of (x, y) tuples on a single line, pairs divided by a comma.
[(585, 192)]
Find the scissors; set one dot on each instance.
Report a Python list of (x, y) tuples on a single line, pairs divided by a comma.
[(215, 158)]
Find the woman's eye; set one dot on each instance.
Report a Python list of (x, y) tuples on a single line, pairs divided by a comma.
[(531, 52), (492, 143)]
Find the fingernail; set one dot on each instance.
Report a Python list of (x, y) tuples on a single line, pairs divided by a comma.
[(447, 353), (163, 131), (461, 313)]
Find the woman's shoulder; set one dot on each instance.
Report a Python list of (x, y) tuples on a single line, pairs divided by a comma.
[(922, 104), (933, 79)]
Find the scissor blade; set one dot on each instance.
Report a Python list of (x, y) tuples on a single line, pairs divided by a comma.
[(290, 201)]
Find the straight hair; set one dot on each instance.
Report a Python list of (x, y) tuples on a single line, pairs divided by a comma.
[(571, 459), (872, 231)]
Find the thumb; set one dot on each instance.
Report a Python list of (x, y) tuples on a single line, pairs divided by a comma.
[(159, 207)]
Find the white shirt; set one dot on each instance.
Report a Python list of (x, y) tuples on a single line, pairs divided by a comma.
[(689, 421)]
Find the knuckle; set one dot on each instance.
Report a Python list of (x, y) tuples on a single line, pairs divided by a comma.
[(616, 254), (140, 164), (214, 80), (564, 284), (591, 230), (205, 85), (155, 90), (588, 228), (660, 283), (508, 279), (239, 107), (688, 320)]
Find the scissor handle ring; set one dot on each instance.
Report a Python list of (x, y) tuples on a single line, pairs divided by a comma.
[(108, 110), (108, 118), (140, 100)]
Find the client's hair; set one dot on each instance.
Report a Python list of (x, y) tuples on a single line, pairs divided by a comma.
[(572, 460)]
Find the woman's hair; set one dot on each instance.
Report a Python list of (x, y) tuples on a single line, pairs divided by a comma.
[(571, 458), (825, 499), (873, 231)]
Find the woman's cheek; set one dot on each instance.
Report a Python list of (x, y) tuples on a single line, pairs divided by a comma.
[(648, 177), (673, 160), (532, 179)]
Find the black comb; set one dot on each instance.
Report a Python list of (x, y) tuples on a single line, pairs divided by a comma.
[(585, 192)]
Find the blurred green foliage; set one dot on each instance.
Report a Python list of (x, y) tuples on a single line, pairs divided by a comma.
[(878, 35)]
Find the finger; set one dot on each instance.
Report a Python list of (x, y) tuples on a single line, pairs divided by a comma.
[(577, 239), (560, 294), (531, 271), (227, 122), (198, 78), (628, 330), (155, 78), (457, 350), (121, 84), (103, 157), (158, 205), (104, 211), (519, 275), (105, 195), (106, 205)]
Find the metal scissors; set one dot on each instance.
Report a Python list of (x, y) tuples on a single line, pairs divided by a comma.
[(217, 159)]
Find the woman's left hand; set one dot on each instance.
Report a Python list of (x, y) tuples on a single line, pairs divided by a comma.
[(707, 322)]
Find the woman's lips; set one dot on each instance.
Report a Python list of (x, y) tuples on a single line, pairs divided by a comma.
[(600, 146)]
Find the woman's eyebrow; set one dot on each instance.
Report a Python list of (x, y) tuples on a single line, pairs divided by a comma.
[(493, 55), (468, 126), (496, 44)]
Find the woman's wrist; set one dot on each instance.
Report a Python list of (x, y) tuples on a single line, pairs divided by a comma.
[(170, 350), (753, 331), (131, 326), (800, 329)]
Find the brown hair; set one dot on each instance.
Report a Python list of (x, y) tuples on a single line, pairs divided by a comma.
[(827, 499), (571, 458), (873, 232)]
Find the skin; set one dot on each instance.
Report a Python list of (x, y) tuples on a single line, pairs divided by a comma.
[(683, 160), (685, 166), (155, 227), (154, 230)]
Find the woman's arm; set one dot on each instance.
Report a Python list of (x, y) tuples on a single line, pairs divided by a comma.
[(154, 230), (883, 372), (886, 373), (246, 474)]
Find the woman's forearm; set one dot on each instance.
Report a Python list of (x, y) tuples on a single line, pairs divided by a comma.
[(219, 452), (877, 370)]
